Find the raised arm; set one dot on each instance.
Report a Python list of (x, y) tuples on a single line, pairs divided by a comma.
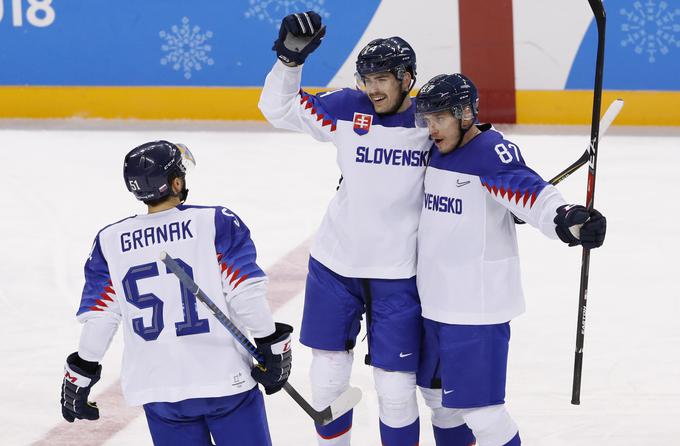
[(282, 102)]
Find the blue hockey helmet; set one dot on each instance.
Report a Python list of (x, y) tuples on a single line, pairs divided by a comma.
[(454, 92), (393, 54), (149, 169)]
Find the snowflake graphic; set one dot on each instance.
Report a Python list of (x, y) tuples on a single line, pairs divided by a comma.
[(185, 48), (651, 28), (273, 11)]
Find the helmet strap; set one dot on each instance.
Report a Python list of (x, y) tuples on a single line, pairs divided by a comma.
[(182, 194), (463, 131), (396, 107)]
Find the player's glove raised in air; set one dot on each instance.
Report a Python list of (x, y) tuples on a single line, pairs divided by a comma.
[(79, 377), (578, 226), (275, 349), (299, 35)]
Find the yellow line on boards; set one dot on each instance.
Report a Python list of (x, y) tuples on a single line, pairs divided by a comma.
[(240, 103), (210, 103), (575, 107)]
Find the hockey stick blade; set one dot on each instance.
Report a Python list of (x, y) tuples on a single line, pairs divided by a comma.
[(607, 120), (345, 402), (341, 405)]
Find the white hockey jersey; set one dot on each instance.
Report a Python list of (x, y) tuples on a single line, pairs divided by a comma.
[(468, 263), (370, 227), (174, 348)]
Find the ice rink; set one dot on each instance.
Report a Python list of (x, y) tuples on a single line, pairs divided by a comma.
[(63, 182)]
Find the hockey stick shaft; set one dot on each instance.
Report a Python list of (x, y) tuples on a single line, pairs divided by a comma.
[(609, 117), (600, 20), (606, 121), (321, 417)]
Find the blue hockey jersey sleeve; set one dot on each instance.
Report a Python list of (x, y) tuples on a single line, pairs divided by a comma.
[(243, 281), (98, 293), (518, 188), (235, 250)]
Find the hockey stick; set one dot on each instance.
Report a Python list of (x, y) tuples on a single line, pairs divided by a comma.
[(343, 404), (609, 117), (601, 20)]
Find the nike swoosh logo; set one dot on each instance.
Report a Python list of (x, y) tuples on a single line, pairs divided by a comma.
[(404, 355), (461, 183), (446, 392)]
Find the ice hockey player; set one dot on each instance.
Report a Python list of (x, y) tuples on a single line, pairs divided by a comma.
[(193, 379), (468, 264), (364, 256)]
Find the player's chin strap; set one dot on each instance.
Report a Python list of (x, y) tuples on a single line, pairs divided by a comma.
[(183, 194), (396, 107), (463, 131)]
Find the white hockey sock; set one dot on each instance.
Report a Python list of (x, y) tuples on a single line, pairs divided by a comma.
[(442, 417), (492, 425), (329, 377), (396, 397)]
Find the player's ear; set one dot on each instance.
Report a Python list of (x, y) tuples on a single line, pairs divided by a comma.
[(406, 81), (177, 184)]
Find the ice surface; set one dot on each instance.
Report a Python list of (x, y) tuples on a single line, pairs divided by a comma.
[(62, 182)]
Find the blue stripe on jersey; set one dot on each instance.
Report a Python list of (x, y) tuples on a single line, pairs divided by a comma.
[(342, 104), (316, 108), (235, 250), (499, 165), (520, 185), (98, 291)]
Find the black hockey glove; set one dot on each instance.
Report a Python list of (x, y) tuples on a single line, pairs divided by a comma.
[(299, 35), (79, 377), (275, 349), (577, 226)]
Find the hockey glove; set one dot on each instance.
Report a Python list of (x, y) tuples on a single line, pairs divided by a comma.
[(79, 377), (299, 35), (578, 226), (275, 349)]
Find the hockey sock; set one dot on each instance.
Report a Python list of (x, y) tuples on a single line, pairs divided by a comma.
[(336, 432), (516, 441), (454, 436), (329, 376), (492, 425), (400, 436)]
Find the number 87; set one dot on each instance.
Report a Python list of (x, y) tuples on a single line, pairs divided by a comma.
[(504, 154)]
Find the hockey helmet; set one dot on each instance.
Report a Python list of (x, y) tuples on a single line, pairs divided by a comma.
[(149, 169), (393, 54), (454, 92)]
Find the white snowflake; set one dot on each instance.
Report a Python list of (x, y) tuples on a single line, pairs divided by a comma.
[(185, 48), (651, 28), (273, 11)]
